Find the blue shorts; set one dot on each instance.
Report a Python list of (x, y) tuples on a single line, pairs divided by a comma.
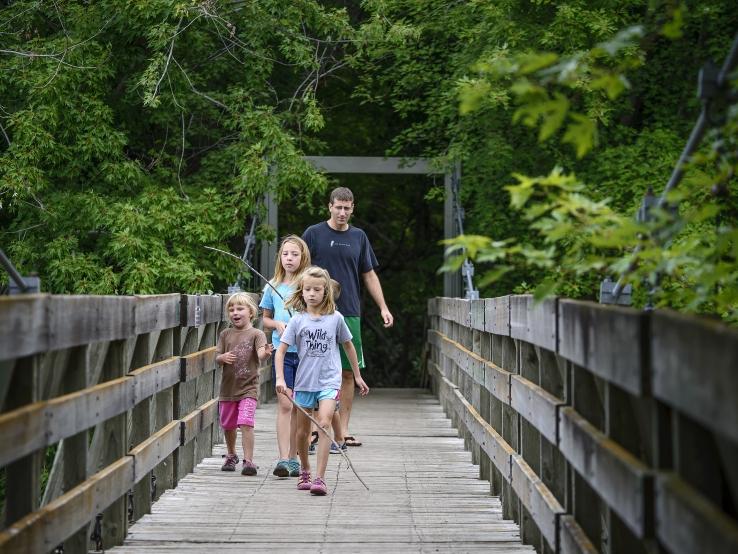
[(311, 399), (290, 369)]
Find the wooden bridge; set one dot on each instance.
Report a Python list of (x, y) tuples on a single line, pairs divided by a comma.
[(582, 428)]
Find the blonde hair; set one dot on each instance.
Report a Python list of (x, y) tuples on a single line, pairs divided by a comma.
[(279, 273), (336, 289), (244, 299), (296, 301)]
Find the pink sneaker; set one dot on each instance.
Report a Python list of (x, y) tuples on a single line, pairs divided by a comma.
[(249, 468), (319, 488), (303, 482)]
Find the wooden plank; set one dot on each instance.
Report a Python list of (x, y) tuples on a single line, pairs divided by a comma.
[(572, 539), (497, 315), (497, 382), (477, 314), (496, 448), (151, 452), (373, 165), (198, 420), (199, 363), (44, 529), (196, 309), (75, 412), (156, 312), (41, 322), (23, 428), (688, 523), (536, 497), (619, 478), (694, 369), (533, 322), (153, 378), (536, 405), (606, 340)]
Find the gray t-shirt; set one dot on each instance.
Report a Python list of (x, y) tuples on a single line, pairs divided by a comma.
[(317, 341)]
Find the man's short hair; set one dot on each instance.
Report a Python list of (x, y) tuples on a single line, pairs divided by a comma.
[(341, 193)]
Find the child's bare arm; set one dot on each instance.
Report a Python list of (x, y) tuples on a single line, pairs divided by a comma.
[(268, 321), (264, 351), (348, 347), (280, 385)]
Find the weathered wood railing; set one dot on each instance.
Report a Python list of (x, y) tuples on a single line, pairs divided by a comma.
[(602, 428), (125, 387)]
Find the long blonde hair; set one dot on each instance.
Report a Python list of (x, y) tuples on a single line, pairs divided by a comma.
[(279, 273), (297, 302)]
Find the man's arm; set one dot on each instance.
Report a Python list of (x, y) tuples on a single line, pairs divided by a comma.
[(371, 281)]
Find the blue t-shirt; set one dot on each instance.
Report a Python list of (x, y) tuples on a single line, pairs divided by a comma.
[(346, 255), (317, 340), (270, 300)]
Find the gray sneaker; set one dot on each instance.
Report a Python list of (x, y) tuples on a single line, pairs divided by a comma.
[(282, 469), (230, 463)]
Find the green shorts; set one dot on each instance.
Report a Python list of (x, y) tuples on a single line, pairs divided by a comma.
[(354, 325)]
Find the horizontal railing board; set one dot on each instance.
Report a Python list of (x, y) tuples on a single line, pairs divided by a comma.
[(533, 322), (43, 530), (619, 478), (42, 322), (62, 417), (37, 323), (497, 315), (572, 538), (201, 309), (536, 497), (151, 452), (197, 420), (494, 379), (157, 312), (156, 377), (606, 340), (537, 406), (695, 369), (199, 363), (688, 523)]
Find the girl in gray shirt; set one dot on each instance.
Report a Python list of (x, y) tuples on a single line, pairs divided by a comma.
[(316, 330)]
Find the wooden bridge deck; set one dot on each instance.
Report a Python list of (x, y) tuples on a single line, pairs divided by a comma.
[(425, 494)]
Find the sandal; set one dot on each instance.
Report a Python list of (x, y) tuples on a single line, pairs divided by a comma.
[(349, 440)]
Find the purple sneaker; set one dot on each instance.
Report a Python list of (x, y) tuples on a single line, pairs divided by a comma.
[(319, 488), (303, 483), (230, 463), (249, 468)]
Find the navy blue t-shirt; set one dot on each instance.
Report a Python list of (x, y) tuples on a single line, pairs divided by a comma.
[(346, 255)]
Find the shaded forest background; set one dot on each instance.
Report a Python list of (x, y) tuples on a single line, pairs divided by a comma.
[(134, 133)]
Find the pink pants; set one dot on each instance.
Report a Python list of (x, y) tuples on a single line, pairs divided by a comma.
[(234, 413)]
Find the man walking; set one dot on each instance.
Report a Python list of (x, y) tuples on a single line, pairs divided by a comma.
[(345, 252)]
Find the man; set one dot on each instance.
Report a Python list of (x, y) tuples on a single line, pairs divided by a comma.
[(345, 252)]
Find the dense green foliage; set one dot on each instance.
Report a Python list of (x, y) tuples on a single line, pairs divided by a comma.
[(134, 133), (609, 87)]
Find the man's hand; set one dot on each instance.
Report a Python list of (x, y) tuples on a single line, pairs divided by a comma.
[(387, 318)]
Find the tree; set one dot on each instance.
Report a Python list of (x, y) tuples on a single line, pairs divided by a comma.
[(612, 81), (132, 134)]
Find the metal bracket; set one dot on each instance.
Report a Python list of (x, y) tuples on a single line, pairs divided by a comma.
[(607, 296)]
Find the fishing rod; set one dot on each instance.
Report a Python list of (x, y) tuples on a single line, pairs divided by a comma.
[(244, 262)]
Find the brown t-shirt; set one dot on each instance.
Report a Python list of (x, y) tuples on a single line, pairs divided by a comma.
[(241, 379)]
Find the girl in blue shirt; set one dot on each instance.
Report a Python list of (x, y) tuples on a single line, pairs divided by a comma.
[(293, 258)]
